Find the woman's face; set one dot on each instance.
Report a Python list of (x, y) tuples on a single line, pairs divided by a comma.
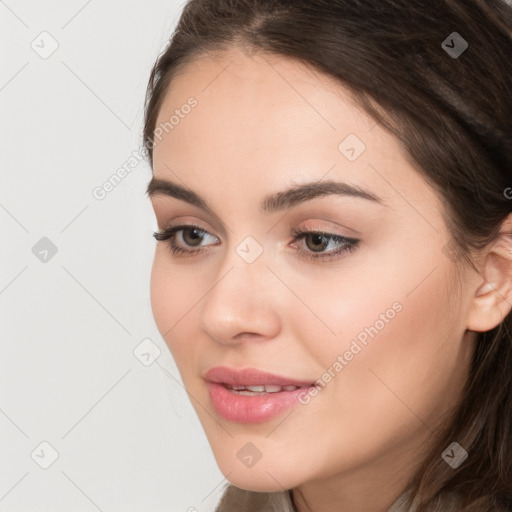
[(380, 326)]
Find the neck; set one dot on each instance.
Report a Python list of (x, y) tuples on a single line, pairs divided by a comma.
[(374, 487)]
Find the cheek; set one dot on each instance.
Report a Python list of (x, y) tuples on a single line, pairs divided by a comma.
[(162, 300), (394, 330), (403, 365), (173, 295)]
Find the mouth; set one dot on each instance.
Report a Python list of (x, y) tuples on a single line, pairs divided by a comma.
[(247, 378), (260, 390), (252, 396)]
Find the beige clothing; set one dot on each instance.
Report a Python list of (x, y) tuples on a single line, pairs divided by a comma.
[(240, 500)]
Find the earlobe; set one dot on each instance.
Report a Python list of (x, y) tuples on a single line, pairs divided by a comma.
[(492, 300)]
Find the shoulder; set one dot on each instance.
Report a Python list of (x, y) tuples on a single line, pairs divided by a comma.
[(235, 499), (445, 502)]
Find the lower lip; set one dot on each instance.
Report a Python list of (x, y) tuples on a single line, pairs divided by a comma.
[(251, 409)]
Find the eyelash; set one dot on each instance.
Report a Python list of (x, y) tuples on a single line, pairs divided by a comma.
[(349, 244)]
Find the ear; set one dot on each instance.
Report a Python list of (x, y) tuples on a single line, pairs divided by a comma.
[(492, 301)]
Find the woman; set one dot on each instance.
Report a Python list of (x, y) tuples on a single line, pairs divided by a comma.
[(332, 182)]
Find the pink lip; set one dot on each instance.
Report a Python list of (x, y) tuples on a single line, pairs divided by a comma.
[(250, 409), (250, 377)]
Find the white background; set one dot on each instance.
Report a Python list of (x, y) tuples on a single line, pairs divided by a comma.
[(126, 434)]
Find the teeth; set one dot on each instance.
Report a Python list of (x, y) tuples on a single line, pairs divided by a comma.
[(272, 388), (267, 388), (255, 388)]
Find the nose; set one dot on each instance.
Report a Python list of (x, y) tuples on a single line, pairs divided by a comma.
[(242, 303)]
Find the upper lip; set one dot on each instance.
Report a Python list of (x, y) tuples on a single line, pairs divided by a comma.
[(250, 377)]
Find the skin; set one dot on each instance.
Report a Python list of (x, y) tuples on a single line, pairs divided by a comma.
[(262, 124)]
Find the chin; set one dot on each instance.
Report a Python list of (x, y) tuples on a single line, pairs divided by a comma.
[(264, 476)]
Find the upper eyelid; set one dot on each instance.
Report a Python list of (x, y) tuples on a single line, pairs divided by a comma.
[(297, 233), (272, 202), (294, 220)]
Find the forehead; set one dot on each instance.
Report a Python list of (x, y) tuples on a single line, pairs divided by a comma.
[(264, 121), (264, 94)]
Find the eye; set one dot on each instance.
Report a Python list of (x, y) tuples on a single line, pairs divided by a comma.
[(316, 242), (191, 236)]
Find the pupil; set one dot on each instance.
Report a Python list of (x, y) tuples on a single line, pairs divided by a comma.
[(195, 235), (317, 240)]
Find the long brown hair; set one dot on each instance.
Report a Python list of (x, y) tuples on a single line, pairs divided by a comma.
[(452, 115)]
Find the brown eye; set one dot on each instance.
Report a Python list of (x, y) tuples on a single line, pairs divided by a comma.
[(318, 241), (192, 236), (186, 235)]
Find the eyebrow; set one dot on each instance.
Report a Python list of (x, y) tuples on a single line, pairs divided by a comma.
[(273, 202)]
